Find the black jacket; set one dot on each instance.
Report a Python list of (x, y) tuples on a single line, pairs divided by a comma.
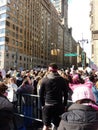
[(6, 111), (79, 117), (52, 88)]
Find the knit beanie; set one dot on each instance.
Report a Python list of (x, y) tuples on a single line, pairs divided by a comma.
[(82, 92)]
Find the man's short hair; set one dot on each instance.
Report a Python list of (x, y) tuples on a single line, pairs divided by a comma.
[(53, 66)]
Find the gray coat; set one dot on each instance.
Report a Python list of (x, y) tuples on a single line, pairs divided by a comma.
[(6, 111), (79, 117)]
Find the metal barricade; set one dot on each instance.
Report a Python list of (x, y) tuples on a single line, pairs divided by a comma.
[(28, 106)]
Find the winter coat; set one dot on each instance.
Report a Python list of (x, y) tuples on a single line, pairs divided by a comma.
[(52, 88), (79, 117), (25, 90), (6, 111)]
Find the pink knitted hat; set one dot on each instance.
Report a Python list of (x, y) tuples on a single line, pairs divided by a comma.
[(75, 78), (82, 92)]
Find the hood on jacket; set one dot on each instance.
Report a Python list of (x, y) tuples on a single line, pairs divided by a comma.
[(78, 113)]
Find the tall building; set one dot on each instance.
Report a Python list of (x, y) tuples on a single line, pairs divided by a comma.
[(33, 33), (94, 30), (29, 30), (19, 33), (62, 8)]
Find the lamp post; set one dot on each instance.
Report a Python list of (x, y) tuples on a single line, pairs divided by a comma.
[(82, 41)]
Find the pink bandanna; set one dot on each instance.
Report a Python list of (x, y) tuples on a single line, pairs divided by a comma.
[(52, 69)]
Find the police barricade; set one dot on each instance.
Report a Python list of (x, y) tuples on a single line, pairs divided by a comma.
[(29, 109)]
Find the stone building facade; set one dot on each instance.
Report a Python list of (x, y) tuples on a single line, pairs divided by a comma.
[(94, 30), (32, 34)]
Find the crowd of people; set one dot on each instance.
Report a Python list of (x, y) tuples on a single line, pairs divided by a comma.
[(55, 87)]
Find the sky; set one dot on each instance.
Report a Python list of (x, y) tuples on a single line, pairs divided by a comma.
[(79, 20)]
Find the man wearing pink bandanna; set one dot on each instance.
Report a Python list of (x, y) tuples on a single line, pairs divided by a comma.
[(53, 88)]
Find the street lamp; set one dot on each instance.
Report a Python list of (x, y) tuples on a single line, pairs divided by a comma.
[(83, 53)]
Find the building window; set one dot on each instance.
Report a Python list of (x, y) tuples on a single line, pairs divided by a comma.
[(7, 32), (12, 56), (2, 23), (21, 17), (13, 34), (7, 55), (8, 9), (3, 15), (20, 30), (17, 29), (16, 43), (20, 44), (20, 57), (6, 39), (2, 30), (13, 41), (7, 23), (2, 39), (3, 8), (21, 23), (13, 49), (8, 16), (14, 5), (13, 26), (16, 36), (6, 48), (14, 20), (24, 65), (21, 38), (24, 59), (1, 47)]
